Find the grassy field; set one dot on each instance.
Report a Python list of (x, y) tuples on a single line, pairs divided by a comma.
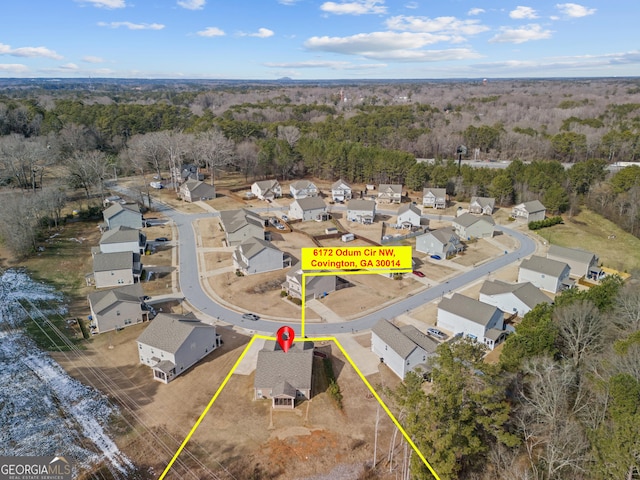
[(589, 231)]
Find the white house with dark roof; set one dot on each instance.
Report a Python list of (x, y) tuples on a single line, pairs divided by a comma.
[(194, 190), (256, 255), (389, 193), (173, 343), (532, 211), (401, 349), (267, 189), (116, 308), (482, 205), (284, 377), (306, 209), (240, 225), (361, 211), (444, 242), (518, 298), (303, 189), (315, 286), (474, 319), (409, 215), (581, 262), (127, 215), (340, 191), (434, 197), (123, 239), (470, 226), (116, 269), (546, 274)]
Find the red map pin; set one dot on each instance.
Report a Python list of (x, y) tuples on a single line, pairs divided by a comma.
[(285, 336)]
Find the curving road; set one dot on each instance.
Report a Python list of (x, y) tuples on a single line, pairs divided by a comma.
[(193, 292)]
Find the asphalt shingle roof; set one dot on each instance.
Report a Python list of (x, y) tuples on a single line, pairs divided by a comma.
[(294, 367), (394, 338), (167, 332), (117, 208), (468, 308), (311, 203), (120, 234), (357, 204), (104, 262), (573, 254), (234, 220), (101, 300), (526, 292), (467, 219), (544, 265), (252, 246)]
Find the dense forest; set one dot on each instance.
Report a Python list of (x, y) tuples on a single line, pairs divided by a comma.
[(564, 401)]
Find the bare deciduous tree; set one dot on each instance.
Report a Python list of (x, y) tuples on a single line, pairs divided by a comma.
[(247, 157), (24, 160), (87, 169), (581, 328), (214, 150), (289, 134)]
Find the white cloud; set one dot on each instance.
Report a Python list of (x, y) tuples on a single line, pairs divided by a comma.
[(287, 2), (69, 66), (92, 59), (192, 4), (523, 12), (447, 25), (211, 32), (261, 33), (391, 46), (521, 35), (29, 52), (110, 4), (412, 5), (574, 10), (356, 7), (476, 11), (13, 68), (333, 65), (132, 26)]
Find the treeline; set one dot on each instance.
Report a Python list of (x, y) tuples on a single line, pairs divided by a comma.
[(564, 401)]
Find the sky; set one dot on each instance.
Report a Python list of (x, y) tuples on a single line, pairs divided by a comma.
[(309, 39)]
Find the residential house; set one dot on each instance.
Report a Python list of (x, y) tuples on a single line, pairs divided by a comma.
[(116, 308), (434, 197), (389, 193), (190, 172), (194, 190), (256, 255), (518, 298), (469, 226), (267, 189), (443, 242), (116, 269), (401, 349), (474, 319), (306, 209), (409, 215), (127, 215), (549, 275), (315, 286), (173, 343), (581, 262), (303, 189), (532, 211), (362, 211), (123, 239), (241, 225), (482, 205), (284, 377), (340, 191)]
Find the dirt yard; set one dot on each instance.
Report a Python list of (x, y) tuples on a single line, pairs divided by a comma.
[(476, 253)]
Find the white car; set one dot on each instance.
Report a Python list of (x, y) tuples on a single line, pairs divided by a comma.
[(434, 332)]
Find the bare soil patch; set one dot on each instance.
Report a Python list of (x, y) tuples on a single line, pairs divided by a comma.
[(209, 232), (476, 253)]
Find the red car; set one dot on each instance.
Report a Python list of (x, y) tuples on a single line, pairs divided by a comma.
[(418, 273)]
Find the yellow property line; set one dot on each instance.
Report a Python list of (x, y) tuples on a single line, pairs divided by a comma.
[(303, 339)]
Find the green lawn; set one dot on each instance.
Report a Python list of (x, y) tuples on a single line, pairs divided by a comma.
[(589, 231)]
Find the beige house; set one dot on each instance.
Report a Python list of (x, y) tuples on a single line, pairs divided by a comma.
[(303, 189), (267, 189), (116, 308), (482, 205), (470, 226), (284, 377), (194, 190), (340, 191), (241, 225), (362, 211), (529, 211), (173, 343), (389, 193), (434, 198), (315, 286), (308, 208), (116, 269)]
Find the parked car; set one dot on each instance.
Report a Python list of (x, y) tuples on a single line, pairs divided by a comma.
[(285, 218), (250, 316), (434, 332), (161, 239), (436, 257), (418, 273)]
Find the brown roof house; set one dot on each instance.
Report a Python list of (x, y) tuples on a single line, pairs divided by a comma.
[(462, 315), (284, 377), (115, 269), (402, 349), (173, 343), (194, 190), (389, 193), (116, 308)]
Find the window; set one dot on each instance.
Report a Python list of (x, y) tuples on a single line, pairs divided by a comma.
[(118, 313)]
